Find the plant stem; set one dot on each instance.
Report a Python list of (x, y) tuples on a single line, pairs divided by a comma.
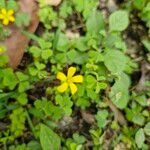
[(30, 123), (30, 35)]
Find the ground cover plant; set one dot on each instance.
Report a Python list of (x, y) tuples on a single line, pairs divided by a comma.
[(84, 80)]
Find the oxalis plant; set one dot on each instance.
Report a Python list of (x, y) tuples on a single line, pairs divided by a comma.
[(75, 87)]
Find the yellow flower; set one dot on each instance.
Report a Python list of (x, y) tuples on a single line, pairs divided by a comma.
[(69, 80), (7, 16)]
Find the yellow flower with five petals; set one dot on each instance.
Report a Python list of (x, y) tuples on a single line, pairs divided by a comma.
[(7, 16), (69, 80)]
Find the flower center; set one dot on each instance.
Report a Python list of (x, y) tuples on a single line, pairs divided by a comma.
[(69, 80), (6, 16)]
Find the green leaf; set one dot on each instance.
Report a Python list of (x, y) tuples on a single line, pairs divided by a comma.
[(95, 22), (111, 40), (61, 58), (77, 57), (140, 138), (44, 44), (62, 42), (93, 95), (18, 118), (101, 118), (46, 54), (83, 102), (33, 71), (119, 20), (22, 99), (119, 92), (121, 45), (65, 103), (81, 90), (100, 86), (49, 139), (146, 43), (138, 119), (79, 138), (3, 60), (90, 81), (142, 100), (2, 4), (147, 129), (139, 4), (23, 86), (12, 4), (65, 9), (21, 76), (88, 6), (48, 108), (79, 5), (34, 145), (10, 79), (6, 95), (47, 15), (22, 19), (115, 61), (39, 66), (95, 56), (145, 14), (80, 44), (35, 51)]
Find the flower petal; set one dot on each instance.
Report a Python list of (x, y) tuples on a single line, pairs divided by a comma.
[(1, 16), (10, 12), (61, 76), (63, 87), (71, 72), (77, 79), (73, 88), (12, 19), (3, 11), (5, 21)]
